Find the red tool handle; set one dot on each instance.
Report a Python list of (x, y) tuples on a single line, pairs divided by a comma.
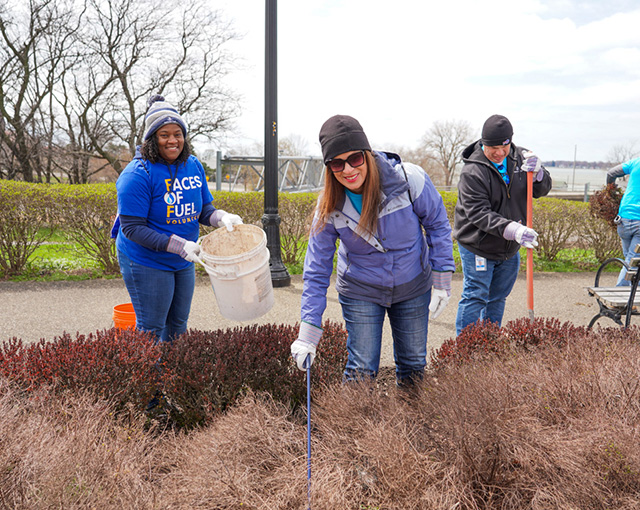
[(530, 250)]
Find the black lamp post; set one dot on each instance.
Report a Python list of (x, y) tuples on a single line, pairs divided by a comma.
[(271, 219)]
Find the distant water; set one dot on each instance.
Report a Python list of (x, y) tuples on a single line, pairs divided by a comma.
[(565, 178)]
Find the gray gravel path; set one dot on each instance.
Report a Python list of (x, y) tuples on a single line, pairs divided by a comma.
[(35, 310)]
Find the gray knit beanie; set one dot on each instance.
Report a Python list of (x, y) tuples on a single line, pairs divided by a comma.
[(160, 113)]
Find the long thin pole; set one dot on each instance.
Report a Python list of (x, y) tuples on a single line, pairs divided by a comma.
[(575, 155), (530, 250), (271, 219), (308, 365)]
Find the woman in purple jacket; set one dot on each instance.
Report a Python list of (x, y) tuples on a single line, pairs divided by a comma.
[(387, 264)]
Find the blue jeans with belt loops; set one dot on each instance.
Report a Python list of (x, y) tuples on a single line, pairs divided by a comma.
[(161, 299), (409, 326), (484, 292), (629, 232)]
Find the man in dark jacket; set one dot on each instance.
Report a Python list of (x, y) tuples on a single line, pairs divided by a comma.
[(490, 219)]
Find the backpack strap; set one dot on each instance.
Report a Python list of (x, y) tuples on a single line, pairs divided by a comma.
[(407, 179)]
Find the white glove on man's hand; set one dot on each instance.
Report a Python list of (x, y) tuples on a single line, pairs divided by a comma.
[(308, 338), (229, 220), (439, 300), (533, 164), (515, 231), (188, 250)]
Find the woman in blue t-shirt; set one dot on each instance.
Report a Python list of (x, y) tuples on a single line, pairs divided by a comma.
[(162, 197), (628, 219)]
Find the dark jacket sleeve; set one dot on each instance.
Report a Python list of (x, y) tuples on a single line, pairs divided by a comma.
[(205, 215), (135, 229), (614, 173), (543, 187)]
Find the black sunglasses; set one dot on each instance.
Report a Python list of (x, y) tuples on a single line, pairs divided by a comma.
[(355, 160)]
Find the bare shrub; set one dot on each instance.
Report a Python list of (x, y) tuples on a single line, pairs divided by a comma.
[(253, 457), (554, 429), (296, 212), (546, 424), (557, 221), (87, 213), (71, 453), (598, 236), (26, 210)]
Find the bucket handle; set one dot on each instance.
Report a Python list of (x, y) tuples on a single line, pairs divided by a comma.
[(228, 276), (231, 276)]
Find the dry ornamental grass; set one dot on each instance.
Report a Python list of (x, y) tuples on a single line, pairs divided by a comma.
[(552, 427)]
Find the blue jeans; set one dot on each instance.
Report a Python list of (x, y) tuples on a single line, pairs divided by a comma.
[(629, 232), (161, 299), (409, 326), (484, 292)]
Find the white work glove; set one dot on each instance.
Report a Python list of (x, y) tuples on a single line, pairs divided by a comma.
[(441, 292), (308, 338), (515, 231), (229, 220), (533, 164), (188, 250), (439, 300)]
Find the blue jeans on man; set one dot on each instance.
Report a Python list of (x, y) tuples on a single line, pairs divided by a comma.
[(161, 299), (629, 232), (486, 285), (409, 327)]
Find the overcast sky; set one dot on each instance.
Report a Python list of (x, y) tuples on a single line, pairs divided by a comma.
[(565, 72)]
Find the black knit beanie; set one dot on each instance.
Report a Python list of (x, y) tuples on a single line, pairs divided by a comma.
[(341, 134), (497, 130)]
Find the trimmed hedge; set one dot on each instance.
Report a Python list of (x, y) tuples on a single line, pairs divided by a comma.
[(485, 339), (200, 374), (558, 222), (86, 212), (26, 210)]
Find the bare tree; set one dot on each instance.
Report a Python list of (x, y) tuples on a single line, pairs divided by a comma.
[(622, 152), (75, 79), (418, 156), (444, 143), (142, 48), (293, 145), (31, 56)]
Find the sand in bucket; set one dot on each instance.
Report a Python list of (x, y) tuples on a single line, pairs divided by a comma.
[(237, 263)]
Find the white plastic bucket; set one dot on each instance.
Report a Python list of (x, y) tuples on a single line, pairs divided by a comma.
[(237, 263)]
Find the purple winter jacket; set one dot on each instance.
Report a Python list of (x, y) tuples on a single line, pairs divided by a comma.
[(394, 265)]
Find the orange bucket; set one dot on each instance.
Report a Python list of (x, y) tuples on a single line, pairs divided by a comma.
[(124, 317)]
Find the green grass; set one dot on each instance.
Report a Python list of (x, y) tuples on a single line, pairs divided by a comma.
[(571, 260), (60, 259)]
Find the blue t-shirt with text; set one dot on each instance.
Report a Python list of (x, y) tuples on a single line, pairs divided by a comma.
[(170, 198)]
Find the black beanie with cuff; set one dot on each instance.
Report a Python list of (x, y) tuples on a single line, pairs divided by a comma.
[(497, 130), (341, 134)]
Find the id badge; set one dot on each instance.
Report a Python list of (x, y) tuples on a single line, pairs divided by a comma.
[(481, 263)]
